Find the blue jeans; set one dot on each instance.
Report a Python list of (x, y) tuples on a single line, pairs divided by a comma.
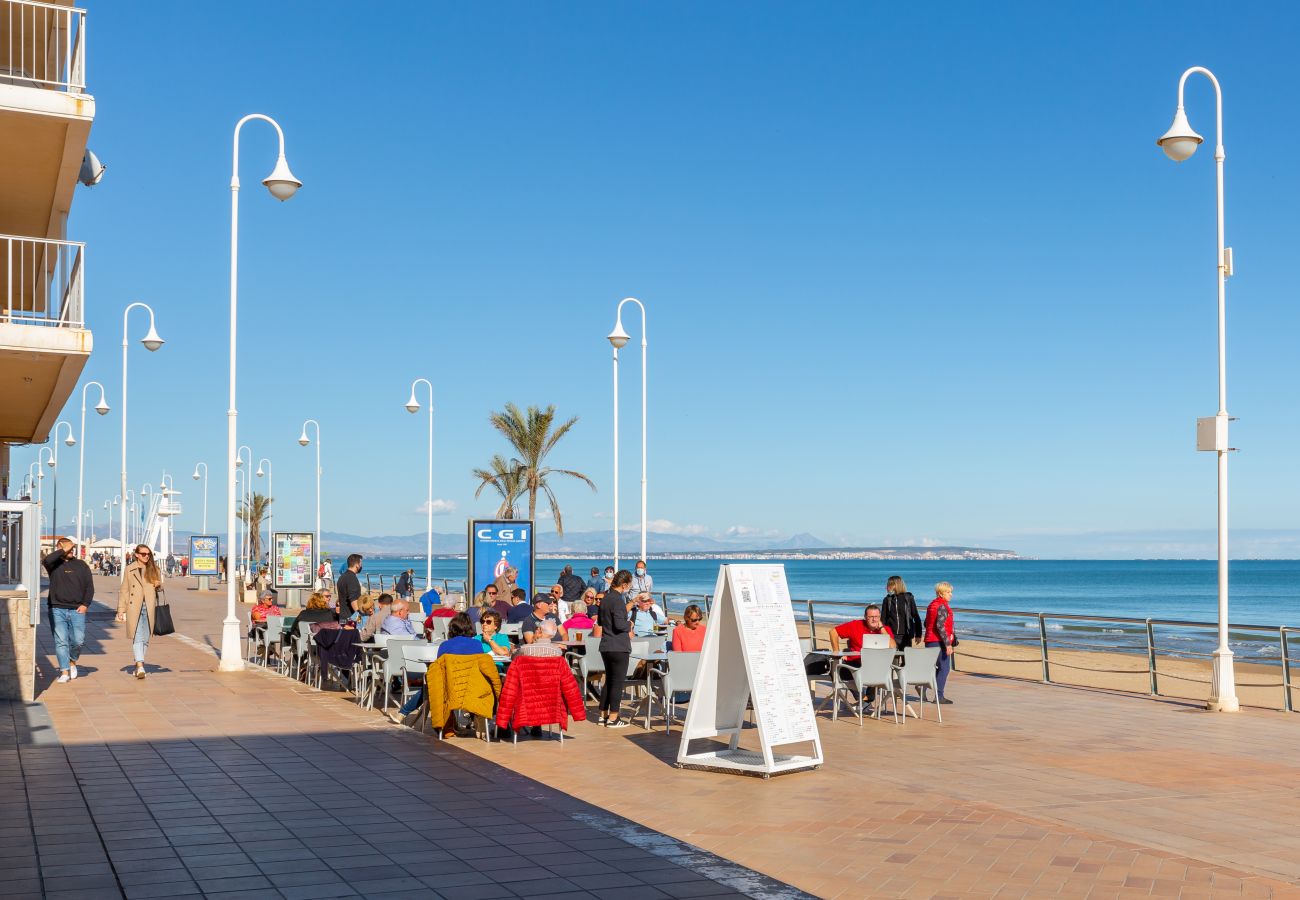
[(69, 634), (142, 632), (412, 704), (941, 668)]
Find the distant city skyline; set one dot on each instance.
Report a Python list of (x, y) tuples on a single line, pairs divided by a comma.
[(912, 275)]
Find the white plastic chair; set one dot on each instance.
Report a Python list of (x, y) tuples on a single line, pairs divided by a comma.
[(395, 666), (439, 629), (876, 671), (918, 668), (677, 678)]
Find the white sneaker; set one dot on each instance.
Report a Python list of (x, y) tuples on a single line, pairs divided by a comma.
[(63, 679), (72, 672)]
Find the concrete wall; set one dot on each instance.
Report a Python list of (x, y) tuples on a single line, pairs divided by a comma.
[(17, 648)]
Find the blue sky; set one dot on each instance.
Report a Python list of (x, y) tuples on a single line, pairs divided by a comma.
[(913, 273)]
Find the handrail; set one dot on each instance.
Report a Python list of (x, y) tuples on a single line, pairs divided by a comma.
[(806, 611)]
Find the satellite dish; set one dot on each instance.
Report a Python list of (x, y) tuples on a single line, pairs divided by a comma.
[(92, 170)]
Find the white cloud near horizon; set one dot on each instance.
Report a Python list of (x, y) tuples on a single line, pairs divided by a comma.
[(440, 507)]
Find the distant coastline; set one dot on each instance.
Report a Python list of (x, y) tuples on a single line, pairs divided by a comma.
[(905, 554)]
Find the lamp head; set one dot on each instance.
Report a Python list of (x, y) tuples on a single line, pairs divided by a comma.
[(196, 473), (70, 440), (303, 439), (151, 340), (49, 462), (281, 182), (1180, 141), (412, 405), (618, 337), (102, 407), (259, 473), (239, 462)]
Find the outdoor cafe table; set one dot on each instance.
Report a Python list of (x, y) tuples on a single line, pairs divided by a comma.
[(837, 684)]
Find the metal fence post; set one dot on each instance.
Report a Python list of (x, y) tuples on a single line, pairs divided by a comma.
[(812, 624), (1151, 659), (1286, 672), (1042, 641)]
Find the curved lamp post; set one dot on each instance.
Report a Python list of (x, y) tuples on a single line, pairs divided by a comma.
[(204, 466), (270, 514), (282, 184), (102, 408), (304, 441), (247, 496), (1179, 143), (413, 407), (151, 342), (39, 479), (619, 338), (54, 464)]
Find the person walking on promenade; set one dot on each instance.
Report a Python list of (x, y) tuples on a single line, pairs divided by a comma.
[(72, 587), (136, 601), (898, 611), (642, 583), (597, 581), (327, 574), (404, 584), (349, 586), (939, 633), (507, 582), (615, 648), (572, 585)]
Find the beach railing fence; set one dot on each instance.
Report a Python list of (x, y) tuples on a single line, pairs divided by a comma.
[(1145, 635)]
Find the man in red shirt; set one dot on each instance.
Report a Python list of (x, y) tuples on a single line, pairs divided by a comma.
[(854, 632)]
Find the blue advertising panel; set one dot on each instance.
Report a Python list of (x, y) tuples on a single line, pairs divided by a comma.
[(498, 544), (204, 550)]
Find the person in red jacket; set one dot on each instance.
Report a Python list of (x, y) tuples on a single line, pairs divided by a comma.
[(939, 633)]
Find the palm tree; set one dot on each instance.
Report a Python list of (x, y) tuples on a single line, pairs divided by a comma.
[(532, 436), (508, 480), (261, 505)]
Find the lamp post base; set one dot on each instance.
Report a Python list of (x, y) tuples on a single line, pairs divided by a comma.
[(1223, 684), (232, 657)]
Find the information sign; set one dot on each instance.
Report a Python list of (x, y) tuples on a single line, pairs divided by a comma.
[(204, 552), (496, 545), (751, 654), (293, 559)]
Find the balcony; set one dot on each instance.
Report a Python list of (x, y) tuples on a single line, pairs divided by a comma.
[(42, 45), (44, 343)]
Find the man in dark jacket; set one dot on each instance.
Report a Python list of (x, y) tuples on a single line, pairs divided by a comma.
[(349, 586), (71, 590), (573, 585)]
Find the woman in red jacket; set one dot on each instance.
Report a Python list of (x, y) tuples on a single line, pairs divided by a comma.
[(939, 633)]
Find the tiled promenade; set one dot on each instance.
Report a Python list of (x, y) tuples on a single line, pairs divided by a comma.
[(193, 781)]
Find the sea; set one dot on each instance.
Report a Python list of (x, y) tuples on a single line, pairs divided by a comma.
[(1263, 593)]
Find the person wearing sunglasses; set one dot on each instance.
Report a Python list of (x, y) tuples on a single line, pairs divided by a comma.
[(137, 600), (688, 637)]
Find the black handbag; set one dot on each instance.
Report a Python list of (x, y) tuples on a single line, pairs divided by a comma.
[(162, 616)]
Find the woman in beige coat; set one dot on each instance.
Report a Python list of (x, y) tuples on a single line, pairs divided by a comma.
[(137, 600)]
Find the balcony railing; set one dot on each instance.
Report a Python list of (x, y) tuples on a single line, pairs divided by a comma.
[(43, 282), (43, 45)]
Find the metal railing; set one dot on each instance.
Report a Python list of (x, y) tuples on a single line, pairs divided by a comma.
[(1142, 634), (43, 45), (43, 282), (381, 583)]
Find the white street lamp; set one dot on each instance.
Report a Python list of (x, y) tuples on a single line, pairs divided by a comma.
[(282, 184), (270, 512), (304, 441), (143, 519), (151, 342), (108, 516), (128, 505), (413, 407), (205, 491), (91, 513), (102, 408), (40, 478), (619, 338), (1179, 143), (54, 464)]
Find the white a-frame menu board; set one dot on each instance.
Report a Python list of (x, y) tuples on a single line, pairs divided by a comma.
[(751, 651)]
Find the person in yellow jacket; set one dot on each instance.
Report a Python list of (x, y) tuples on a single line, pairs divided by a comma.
[(136, 601)]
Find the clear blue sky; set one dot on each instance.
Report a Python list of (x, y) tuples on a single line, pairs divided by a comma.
[(913, 272)]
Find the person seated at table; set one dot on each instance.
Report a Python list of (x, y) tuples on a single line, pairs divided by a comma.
[(688, 637), (446, 610), (541, 640), (521, 609), (318, 609), (559, 605), (643, 615), (590, 604), (492, 598), (398, 622), (494, 642), (362, 610), (461, 641), (853, 632), (580, 620), (542, 604), (265, 607), (383, 609)]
